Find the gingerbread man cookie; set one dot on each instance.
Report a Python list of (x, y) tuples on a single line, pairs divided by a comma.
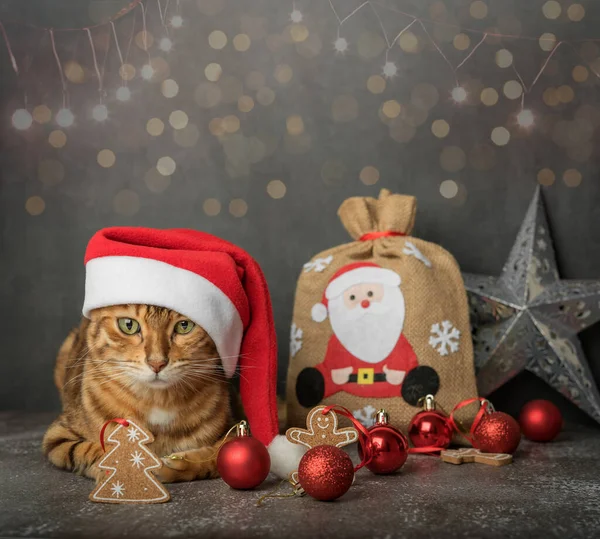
[(322, 429), (469, 454)]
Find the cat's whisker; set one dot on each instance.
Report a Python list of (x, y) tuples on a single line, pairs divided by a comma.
[(203, 376), (206, 376), (80, 376), (92, 373), (77, 360), (188, 384), (115, 377)]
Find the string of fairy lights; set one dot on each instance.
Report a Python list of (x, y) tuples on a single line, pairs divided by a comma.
[(171, 19), (22, 119), (525, 117)]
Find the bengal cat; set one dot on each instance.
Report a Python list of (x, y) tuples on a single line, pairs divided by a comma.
[(148, 364)]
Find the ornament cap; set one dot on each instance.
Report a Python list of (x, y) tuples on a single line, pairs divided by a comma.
[(429, 404), (489, 407), (242, 428), (382, 417)]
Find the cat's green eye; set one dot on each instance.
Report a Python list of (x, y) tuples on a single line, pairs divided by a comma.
[(129, 326), (184, 326)]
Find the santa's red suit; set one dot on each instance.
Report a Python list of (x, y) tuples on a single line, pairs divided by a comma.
[(367, 379)]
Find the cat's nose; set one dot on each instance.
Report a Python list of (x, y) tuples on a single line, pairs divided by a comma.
[(157, 365)]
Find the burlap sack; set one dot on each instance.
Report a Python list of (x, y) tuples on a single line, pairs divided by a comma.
[(400, 320)]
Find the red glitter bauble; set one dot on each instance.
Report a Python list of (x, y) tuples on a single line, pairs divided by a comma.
[(497, 432), (430, 428), (540, 420), (325, 472), (243, 462), (389, 449)]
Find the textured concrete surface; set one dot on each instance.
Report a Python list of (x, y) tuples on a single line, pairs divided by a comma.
[(551, 490)]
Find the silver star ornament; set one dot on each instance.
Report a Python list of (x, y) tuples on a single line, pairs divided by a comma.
[(528, 318)]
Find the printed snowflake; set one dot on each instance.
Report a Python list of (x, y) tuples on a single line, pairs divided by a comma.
[(444, 339), (137, 459), (118, 489), (295, 339), (411, 249), (318, 265), (365, 415), (133, 435)]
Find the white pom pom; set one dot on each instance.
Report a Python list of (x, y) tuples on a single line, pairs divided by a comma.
[(319, 312), (285, 456)]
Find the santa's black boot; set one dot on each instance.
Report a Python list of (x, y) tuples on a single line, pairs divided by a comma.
[(310, 387), (419, 383)]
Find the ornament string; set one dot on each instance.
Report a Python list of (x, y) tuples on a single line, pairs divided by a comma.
[(485, 408), (425, 450), (215, 453), (273, 493), (118, 420), (364, 438), (383, 234)]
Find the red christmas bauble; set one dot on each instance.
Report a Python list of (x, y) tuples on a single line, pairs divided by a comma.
[(325, 472), (389, 449), (540, 420), (430, 428), (497, 432), (243, 462)]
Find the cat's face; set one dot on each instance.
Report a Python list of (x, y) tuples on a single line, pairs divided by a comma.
[(152, 347)]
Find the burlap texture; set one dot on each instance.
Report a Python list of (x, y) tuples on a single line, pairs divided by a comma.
[(432, 295)]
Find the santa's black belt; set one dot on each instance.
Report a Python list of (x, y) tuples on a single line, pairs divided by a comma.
[(367, 376)]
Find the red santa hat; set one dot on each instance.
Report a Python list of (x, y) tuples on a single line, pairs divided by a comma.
[(214, 283), (351, 275)]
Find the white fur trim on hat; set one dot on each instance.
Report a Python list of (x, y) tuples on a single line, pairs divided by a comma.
[(285, 456), (318, 312), (367, 274), (118, 280)]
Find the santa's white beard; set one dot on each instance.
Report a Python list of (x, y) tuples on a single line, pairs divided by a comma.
[(369, 334)]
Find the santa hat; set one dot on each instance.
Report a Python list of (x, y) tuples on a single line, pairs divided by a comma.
[(214, 283), (351, 275)]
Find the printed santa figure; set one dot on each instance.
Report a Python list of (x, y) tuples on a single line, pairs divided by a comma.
[(367, 355)]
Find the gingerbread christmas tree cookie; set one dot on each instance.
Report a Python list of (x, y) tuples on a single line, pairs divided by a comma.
[(129, 466)]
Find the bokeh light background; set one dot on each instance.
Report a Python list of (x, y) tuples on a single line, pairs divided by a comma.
[(255, 120)]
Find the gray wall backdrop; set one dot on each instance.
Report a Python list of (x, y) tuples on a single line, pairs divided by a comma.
[(283, 105)]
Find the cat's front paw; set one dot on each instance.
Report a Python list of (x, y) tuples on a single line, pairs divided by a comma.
[(188, 466), (96, 473)]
